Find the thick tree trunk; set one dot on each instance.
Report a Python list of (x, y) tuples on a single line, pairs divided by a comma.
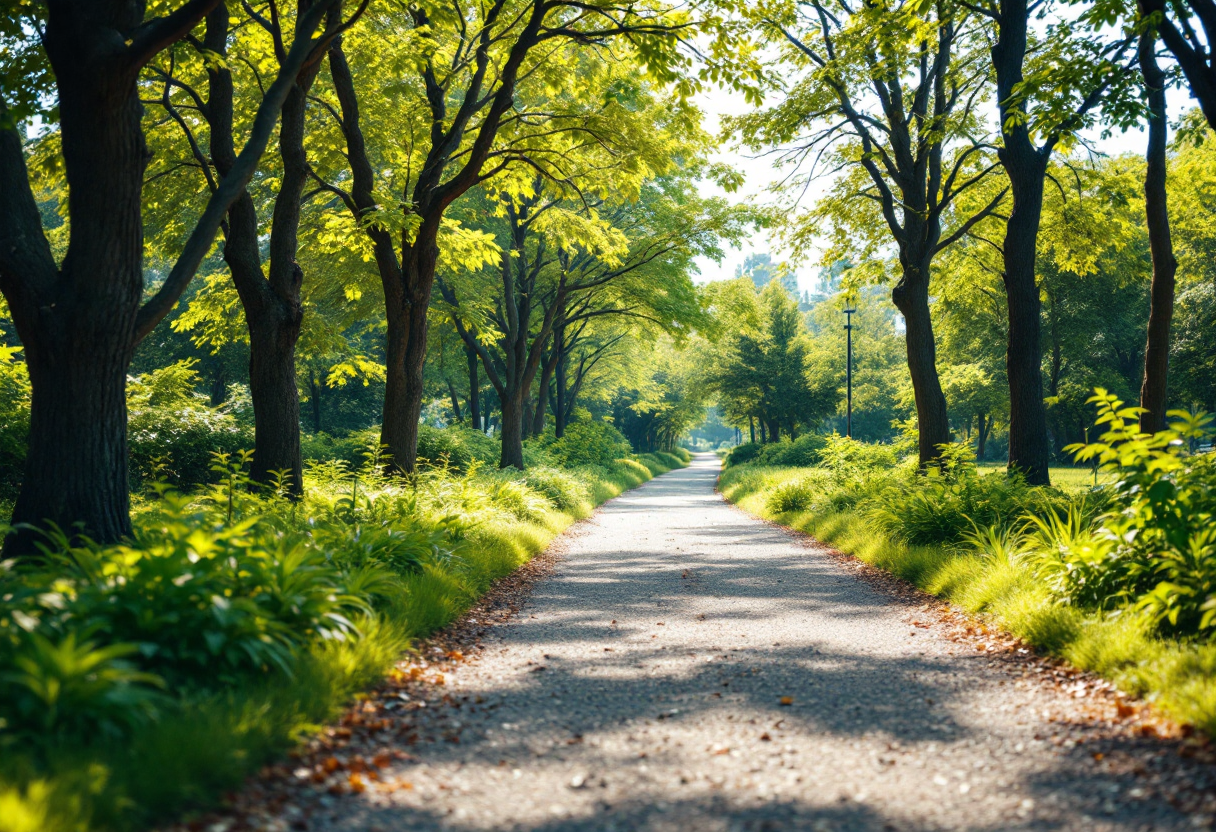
[(1026, 166), (512, 432), (1161, 309), (76, 465), (984, 426), (474, 391), (79, 336), (276, 399), (1029, 448), (911, 297)]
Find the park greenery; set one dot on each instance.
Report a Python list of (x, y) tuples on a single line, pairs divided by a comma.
[(320, 317)]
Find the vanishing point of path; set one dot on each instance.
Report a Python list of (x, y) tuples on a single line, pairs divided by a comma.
[(642, 686)]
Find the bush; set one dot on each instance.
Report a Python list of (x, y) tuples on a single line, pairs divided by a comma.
[(740, 454), (1156, 546), (560, 488), (795, 495), (802, 452), (173, 433), (456, 446), (588, 443)]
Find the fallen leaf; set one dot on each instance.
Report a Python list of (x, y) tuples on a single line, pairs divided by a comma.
[(1098, 756), (382, 759), (787, 700), (356, 783), (765, 737), (331, 764)]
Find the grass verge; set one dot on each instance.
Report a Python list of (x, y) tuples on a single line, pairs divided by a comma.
[(1178, 676), (209, 743)]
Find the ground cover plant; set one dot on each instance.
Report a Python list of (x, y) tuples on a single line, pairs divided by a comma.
[(1118, 578), (138, 680)]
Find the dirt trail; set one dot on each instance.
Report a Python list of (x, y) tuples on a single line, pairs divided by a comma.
[(686, 667)]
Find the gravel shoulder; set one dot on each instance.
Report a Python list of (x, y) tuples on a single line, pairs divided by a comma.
[(683, 666)]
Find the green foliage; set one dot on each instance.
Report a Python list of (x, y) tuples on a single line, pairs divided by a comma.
[(1156, 546), (589, 443), (562, 489), (457, 447), (14, 420), (173, 433)]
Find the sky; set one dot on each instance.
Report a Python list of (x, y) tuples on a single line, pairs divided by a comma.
[(760, 172)]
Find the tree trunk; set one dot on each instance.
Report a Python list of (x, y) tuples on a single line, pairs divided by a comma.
[(751, 428), (474, 391), (763, 433), (1026, 166), (542, 394), (77, 326), (455, 402), (1161, 309), (76, 464), (512, 432), (276, 399), (314, 397), (271, 303), (1029, 447), (982, 429), (911, 297)]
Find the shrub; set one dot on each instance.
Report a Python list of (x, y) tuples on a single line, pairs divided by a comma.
[(455, 446), (740, 454), (202, 601), (173, 432), (588, 443), (1156, 546), (802, 452), (794, 495), (560, 488)]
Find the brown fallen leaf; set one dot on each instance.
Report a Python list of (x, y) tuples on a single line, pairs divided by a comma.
[(356, 783), (331, 764), (383, 759), (765, 737), (787, 700)]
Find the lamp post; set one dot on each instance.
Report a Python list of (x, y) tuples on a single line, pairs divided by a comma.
[(848, 373)]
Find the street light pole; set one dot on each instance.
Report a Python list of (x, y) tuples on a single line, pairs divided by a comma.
[(848, 424)]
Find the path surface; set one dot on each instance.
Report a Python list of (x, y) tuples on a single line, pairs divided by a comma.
[(642, 687)]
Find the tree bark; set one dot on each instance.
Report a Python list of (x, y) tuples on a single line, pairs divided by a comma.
[(911, 297), (314, 399), (512, 432), (474, 391), (77, 326), (1026, 166), (1153, 391), (455, 402), (271, 301)]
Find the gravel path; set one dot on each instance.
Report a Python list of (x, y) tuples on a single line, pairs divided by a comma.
[(687, 667)]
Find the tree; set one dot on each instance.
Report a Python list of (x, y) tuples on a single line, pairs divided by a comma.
[(890, 96), (1153, 392), (453, 100), (80, 320), (271, 297), (759, 365), (1047, 89), (565, 265)]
